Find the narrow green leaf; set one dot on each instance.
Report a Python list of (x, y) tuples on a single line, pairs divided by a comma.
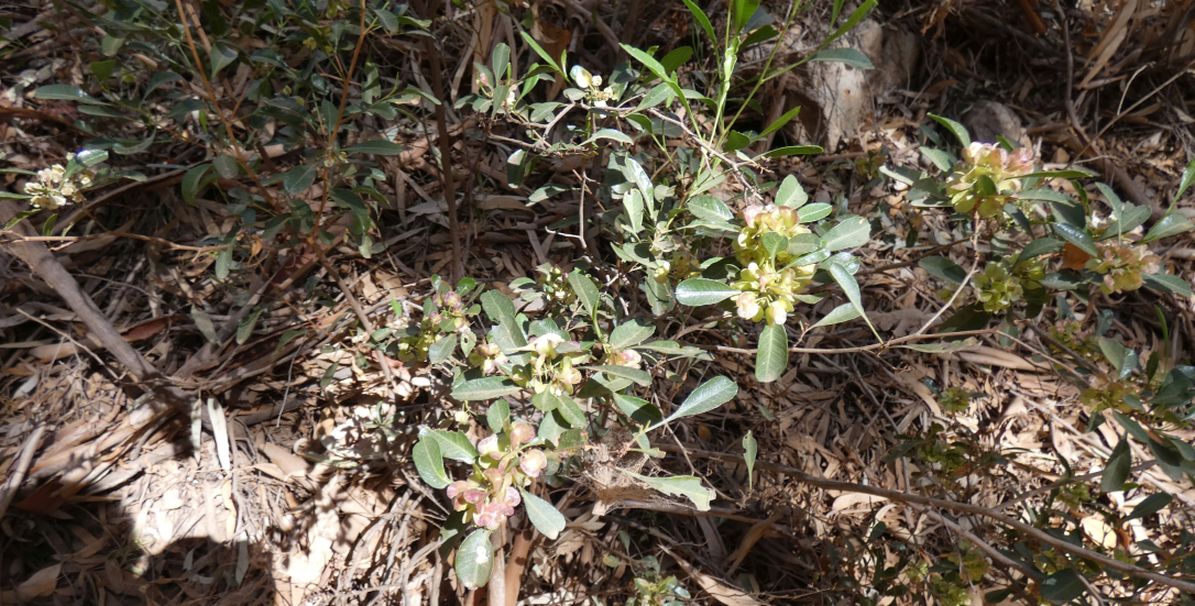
[(843, 313), (1150, 505), (779, 123), (850, 288), (771, 355), (65, 92), (1077, 236), (689, 487), (474, 558), (193, 181), (655, 67), (1185, 181), (943, 268), (702, 20), (543, 54), (485, 388), (793, 150), (635, 375), (298, 179), (543, 515), (1116, 471), (222, 55), (612, 135), (1062, 586), (376, 147), (958, 130), (1171, 224), (695, 292), (1174, 284), (708, 396), (850, 56)]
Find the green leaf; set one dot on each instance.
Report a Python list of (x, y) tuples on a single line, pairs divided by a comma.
[(689, 487), (633, 204), (750, 452), (791, 193), (851, 21), (377, 147), (702, 20), (958, 130), (1039, 247), (246, 326), (612, 135), (453, 445), (485, 388), (430, 463), (850, 56), (629, 334), (771, 357), (499, 309), (655, 67), (222, 55), (709, 208), (850, 232), (586, 291), (497, 416), (1070, 173), (543, 515), (543, 54), (1116, 471), (193, 182), (1114, 351), (779, 123), (569, 410), (639, 377), (814, 212), (1171, 283), (793, 150), (708, 396), (65, 92), (298, 179), (1185, 181), (695, 292), (1171, 224), (442, 349), (843, 313), (850, 288), (474, 558), (1077, 236), (944, 269), (1062, 586), (741, 12), (638, 409), (1150, 505)]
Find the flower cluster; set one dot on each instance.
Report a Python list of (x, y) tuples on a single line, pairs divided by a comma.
[(769, 282), (551, 365), (592, 85), (1123, 266), (444, 313), (504, 465), (987, 178), (1002, 284), (56, 186)]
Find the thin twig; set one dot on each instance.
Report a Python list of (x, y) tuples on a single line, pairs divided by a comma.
[(863, 348), (444, 142), (16, 473), (933, 502)]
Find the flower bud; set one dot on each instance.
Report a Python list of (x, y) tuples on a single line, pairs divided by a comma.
[(748, 305), (545, 345), (776, 312)]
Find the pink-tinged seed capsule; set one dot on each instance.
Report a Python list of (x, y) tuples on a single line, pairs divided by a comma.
[(488, 446), (521, 433), (533, 462)]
